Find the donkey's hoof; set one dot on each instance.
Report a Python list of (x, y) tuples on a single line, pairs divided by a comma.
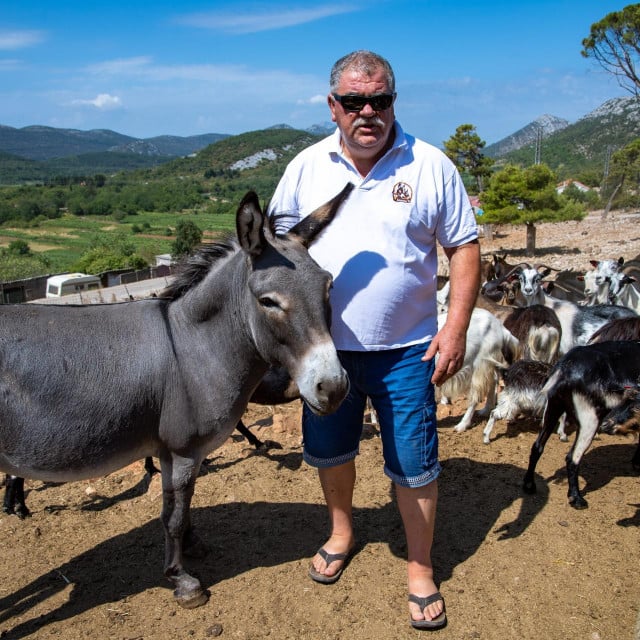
[(192, 599), (578, 502)]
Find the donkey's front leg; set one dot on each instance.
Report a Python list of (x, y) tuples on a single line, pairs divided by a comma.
[(178, 482)]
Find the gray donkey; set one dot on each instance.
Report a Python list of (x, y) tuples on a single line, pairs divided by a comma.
[(85, 390)]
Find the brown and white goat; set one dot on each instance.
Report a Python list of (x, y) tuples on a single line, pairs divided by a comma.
[(538, 330)]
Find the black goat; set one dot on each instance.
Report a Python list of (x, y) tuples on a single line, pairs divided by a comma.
[(586, 384)]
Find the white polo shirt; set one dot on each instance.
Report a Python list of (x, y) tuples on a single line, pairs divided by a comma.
[(381, 247)]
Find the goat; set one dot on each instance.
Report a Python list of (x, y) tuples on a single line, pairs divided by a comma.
[(619, 276), (586, 384), (498, 288), (623, 292), (566, 285), (500, 311), (578, 323), (488, 345), (523, 382), (538, 330), (618, 329), (625, 419), (604, 269), (497, 267), (595, 293)]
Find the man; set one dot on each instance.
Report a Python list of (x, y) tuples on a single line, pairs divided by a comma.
[(381, 250)]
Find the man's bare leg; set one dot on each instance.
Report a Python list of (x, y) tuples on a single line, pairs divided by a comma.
[(337, 484), (418, 510)]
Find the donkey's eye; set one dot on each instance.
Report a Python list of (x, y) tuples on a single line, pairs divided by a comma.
[(269, 303)]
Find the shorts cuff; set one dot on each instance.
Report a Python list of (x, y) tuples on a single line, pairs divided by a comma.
[(323, 463), (417, 481)]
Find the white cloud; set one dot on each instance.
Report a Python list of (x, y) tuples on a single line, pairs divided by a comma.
[(11, 40), (121, 66), (9, 65), (102, 101), (265, 19)]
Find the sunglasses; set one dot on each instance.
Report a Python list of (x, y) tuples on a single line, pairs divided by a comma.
[(379, 102)]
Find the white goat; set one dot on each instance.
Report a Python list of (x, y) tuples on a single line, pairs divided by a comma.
[(624, 292), (596, 290), (604, 269), (488, 346)]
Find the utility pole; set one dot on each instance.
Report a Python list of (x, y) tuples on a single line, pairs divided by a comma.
[(607, 159), (538, 144)]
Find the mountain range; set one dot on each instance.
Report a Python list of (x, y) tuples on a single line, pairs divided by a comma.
[(543, 126), (36, 152), (44, 143), (570, 148)]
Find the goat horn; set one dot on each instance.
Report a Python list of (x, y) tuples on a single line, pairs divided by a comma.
[(517, 267)]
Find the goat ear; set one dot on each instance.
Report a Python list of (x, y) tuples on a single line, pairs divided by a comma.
[(594, 263), (621, 260), (545, 272)]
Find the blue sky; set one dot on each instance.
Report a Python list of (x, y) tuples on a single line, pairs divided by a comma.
[(184, 68)]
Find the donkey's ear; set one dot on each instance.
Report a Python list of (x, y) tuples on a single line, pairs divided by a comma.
[(309, 227), (250, 225)]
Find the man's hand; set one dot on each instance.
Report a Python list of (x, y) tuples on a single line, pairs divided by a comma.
[(450, 347)]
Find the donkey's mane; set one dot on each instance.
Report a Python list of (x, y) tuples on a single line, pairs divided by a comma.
[(193, 268)]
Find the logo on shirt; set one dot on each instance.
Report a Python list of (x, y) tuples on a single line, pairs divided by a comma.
[(402, 192)]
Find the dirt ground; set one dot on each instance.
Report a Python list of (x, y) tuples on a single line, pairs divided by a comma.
[(88, 563)]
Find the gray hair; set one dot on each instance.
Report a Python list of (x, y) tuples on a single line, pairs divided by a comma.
[(366, 62)]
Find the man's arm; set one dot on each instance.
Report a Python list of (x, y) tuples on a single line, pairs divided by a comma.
[(450, 341)]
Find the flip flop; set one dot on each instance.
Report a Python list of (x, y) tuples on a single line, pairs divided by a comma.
[(329, 558), (438, 622)]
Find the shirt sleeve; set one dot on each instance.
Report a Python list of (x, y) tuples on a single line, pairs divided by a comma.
[(458, 222), (283, 207)]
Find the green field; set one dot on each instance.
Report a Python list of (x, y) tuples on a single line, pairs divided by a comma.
[(63, 240)]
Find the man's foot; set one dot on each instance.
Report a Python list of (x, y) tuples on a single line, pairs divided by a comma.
[(330, 560), (425, 602)]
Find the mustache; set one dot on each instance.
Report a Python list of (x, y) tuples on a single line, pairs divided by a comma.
[(367, 122)]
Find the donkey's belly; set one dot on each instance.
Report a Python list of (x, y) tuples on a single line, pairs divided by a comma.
[(66, 465)]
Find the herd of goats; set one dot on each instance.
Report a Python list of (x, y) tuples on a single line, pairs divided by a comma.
[(566, 348)]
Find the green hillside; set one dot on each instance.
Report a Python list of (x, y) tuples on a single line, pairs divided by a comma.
[(140, 208), (253, 160)]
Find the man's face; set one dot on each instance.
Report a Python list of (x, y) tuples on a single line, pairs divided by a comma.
[(366, 132)]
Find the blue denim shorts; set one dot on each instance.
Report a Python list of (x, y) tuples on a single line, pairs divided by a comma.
[(399, 386)]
